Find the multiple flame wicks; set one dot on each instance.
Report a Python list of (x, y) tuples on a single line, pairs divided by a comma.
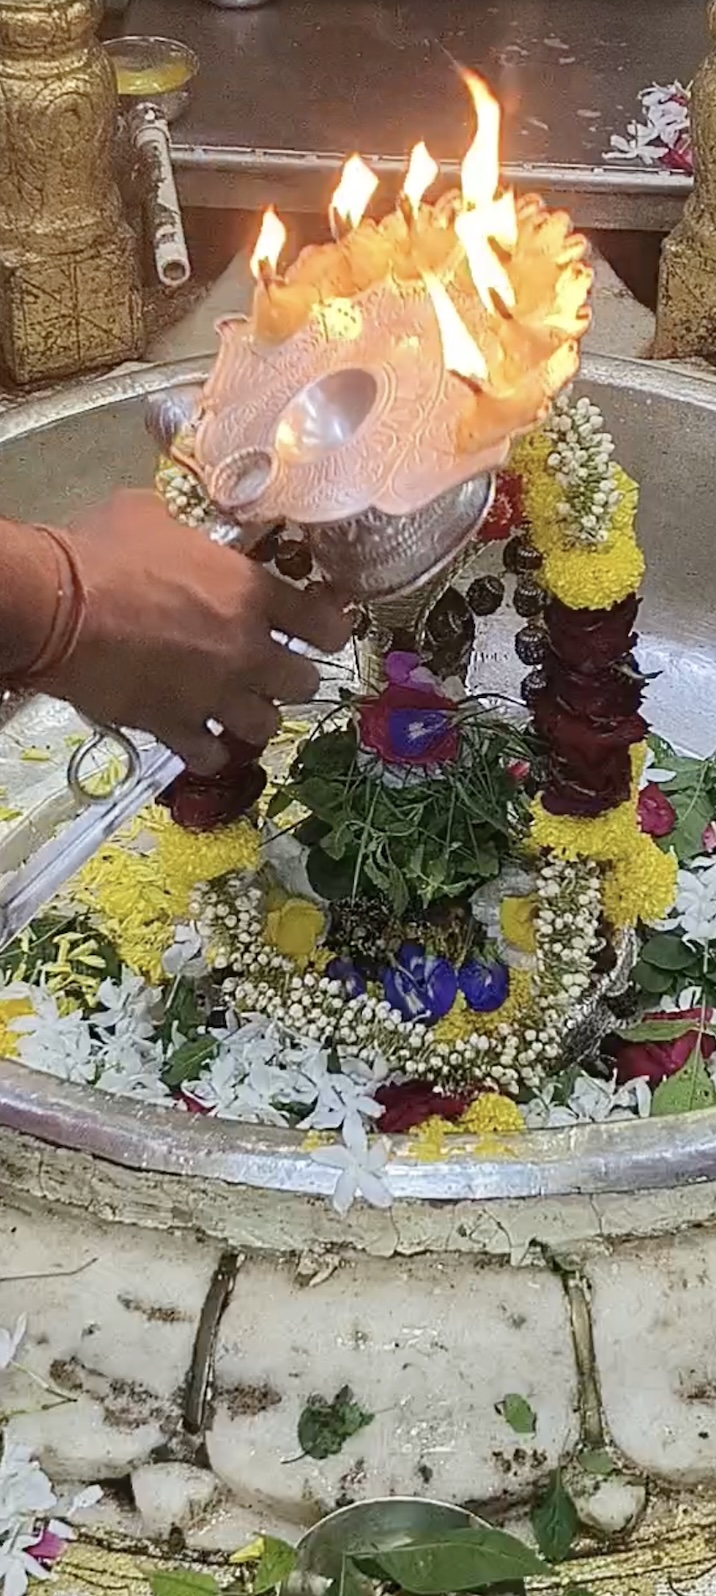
[(507, 278)]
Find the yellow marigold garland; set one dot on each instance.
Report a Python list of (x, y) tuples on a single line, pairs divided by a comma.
[(591, 578), (641, 885)]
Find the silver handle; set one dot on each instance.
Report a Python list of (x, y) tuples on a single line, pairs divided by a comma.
[(37, 881), (79, 783)]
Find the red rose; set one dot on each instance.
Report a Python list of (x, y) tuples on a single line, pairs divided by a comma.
[(202, 803), (410, 1104), (586, 639), (601, 695), (507, 512), (657, 816), (583, 740), (409, 726), (568, 792), (656, 1060)]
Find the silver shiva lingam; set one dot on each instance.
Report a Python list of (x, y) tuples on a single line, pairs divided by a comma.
[(367, 400)]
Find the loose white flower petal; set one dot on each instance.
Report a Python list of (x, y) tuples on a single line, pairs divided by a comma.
[(360, 1167), (10, 1341)]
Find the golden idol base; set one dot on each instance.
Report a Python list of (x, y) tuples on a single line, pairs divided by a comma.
[(686, 308), (60, 314)]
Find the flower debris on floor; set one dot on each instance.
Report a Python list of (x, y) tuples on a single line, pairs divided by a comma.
[(436, 896), (35, 1524), (663, 138)]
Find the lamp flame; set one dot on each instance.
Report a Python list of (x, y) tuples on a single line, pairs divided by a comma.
[(422, 171), (269, 245), (460, 352), (354, 192), (486, 270), (480, 169), (485, 219)]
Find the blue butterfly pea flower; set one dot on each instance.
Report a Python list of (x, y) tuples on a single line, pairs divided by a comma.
[(345, 971), (420, 985), (484, 985)]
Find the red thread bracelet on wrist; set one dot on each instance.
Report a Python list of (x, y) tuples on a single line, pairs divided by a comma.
[(70, 612)]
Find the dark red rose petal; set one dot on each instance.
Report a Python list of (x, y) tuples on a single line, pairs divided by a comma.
[(507, 511), (657, 817), (410, 1104)]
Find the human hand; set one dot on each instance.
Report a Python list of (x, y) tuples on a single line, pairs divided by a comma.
[(178, 632)]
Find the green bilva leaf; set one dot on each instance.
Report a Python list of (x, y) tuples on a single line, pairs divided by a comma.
[(277, 1562), (188, 1060), (398, 889), (310, 831), (516, 1412), (280, 800), (321, 797), (460, 1560), (334, 751), (694, 811), (555, 1521), (690, 1088), (324, 1427), (598, 1463), (336, 842), (330, 878), (657, 1031), (651, 979), (667, 952), (182, 1582), (350, 1582)]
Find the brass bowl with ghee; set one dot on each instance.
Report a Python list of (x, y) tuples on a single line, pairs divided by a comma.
[(153, 71)]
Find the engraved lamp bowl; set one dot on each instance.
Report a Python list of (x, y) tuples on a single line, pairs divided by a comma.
[(348, 430)]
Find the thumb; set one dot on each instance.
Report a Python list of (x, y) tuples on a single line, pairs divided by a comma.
[(202, 752)]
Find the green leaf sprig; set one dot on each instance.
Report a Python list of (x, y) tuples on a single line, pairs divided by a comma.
[(324, 1427), (555, 1520)]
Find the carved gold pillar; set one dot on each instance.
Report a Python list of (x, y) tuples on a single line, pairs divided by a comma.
[(69, 288), (686, 307)]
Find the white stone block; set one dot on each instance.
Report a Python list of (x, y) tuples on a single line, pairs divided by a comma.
[(654, 1324), (428, 1347), (612, 1507), (230, 1528), (112, 1316), (171, 1495)]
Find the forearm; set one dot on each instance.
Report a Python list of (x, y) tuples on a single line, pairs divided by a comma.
[(31, 576)]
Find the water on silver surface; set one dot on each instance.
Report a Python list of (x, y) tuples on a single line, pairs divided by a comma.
[(57, 455)]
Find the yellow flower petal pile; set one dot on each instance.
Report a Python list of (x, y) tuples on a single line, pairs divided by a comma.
[(11, 1009), (487, 1115), (137, 898)]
